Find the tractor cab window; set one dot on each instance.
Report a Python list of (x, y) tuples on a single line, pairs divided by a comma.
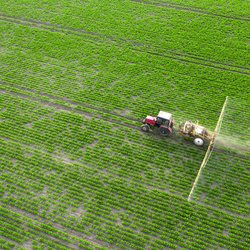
[(166, 122), (162, 121)]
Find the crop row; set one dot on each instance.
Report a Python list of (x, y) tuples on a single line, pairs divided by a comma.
[(97, 97), (155, 229), (234, 133), (22, 229), (204, 36), (73, 137), (225, 180), (77, 173), (67, 179), (6, 245), (55, 74), (76, 118), (84, 109), (107, 201), (109, 153), (156, 50), (225, 183)]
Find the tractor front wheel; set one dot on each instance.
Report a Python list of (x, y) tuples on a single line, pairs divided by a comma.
[(145, 128), (164, 131)]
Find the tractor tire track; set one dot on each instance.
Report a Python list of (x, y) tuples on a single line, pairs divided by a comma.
[(201, 63), (102, 102), (71, 102), (142, 48), (175, 138), (46, 25), (195, 57), (60, 107), (190, 9), (24, 49)]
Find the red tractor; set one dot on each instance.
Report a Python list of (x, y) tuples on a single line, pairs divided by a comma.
[(163, 121)]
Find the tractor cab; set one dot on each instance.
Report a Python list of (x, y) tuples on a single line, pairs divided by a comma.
[(164, 118)]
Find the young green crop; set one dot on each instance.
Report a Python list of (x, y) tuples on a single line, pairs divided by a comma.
[(161, 78), (76, 79), (225, 180), (113, 205)]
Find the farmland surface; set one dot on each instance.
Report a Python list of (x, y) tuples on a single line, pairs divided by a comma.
[(76, 79)]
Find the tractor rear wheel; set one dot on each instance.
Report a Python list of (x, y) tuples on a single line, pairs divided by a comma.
[(164, 131), (145, 128), (198, 141)]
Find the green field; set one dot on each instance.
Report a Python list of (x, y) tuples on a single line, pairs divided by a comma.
[(76, 78)]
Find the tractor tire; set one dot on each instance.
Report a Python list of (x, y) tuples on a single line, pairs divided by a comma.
[(198, 141), (145, 128), (164, 132)]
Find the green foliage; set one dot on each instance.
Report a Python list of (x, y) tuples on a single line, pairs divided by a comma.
[(225, 180), (76, 77)]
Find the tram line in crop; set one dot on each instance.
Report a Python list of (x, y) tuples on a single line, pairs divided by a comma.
[(185, 58), (175, 138), (189, 9)]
